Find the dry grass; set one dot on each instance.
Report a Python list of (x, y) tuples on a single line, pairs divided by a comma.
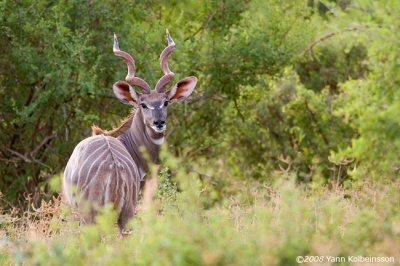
[(37, 223), (275, 219)]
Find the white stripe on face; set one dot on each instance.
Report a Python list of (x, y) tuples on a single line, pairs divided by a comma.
[(154, 107)]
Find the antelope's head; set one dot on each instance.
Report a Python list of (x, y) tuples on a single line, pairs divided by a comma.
[(153, 103)]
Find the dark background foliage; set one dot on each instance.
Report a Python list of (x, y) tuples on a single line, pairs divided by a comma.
[(309, 86)]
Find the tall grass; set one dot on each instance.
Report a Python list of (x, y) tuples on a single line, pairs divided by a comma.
[(258, 225)]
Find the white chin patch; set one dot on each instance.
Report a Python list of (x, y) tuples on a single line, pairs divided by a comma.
[(159, 130)]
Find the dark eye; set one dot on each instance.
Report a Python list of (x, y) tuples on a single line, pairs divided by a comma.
[(166, 103), (143, 105)]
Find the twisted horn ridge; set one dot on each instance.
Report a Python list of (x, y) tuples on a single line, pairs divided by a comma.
[(130, 77), (168, 74)]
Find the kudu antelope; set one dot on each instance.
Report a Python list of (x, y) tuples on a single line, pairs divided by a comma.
[(107, 169)]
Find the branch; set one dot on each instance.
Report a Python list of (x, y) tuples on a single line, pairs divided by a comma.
[(20, 155), (41, 144), (32, 158), (238, 110), (203, 26), (327, 36), (315, 121), (170, 132)]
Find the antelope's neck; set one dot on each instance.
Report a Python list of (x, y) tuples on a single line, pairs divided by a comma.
[(141, 141)]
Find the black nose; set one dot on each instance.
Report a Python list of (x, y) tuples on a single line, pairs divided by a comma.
[(159, 123)]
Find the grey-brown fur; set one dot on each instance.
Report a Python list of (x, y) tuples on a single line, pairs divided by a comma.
[(108, 170), (101, 171)]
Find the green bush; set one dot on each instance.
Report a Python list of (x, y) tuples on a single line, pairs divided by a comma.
[(371, 105), (54, 82), (58, 69), (289, 146), (281, 222)]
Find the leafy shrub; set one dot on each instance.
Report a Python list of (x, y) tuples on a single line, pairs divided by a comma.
[(280, 223), (56, 72)]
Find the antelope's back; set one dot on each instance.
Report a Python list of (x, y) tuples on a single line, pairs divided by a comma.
[(100, 170)]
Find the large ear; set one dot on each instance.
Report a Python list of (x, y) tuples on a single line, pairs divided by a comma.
[(182, 89), (125, 93)]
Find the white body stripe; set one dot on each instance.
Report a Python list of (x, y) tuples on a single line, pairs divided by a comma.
[(101, 171)]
